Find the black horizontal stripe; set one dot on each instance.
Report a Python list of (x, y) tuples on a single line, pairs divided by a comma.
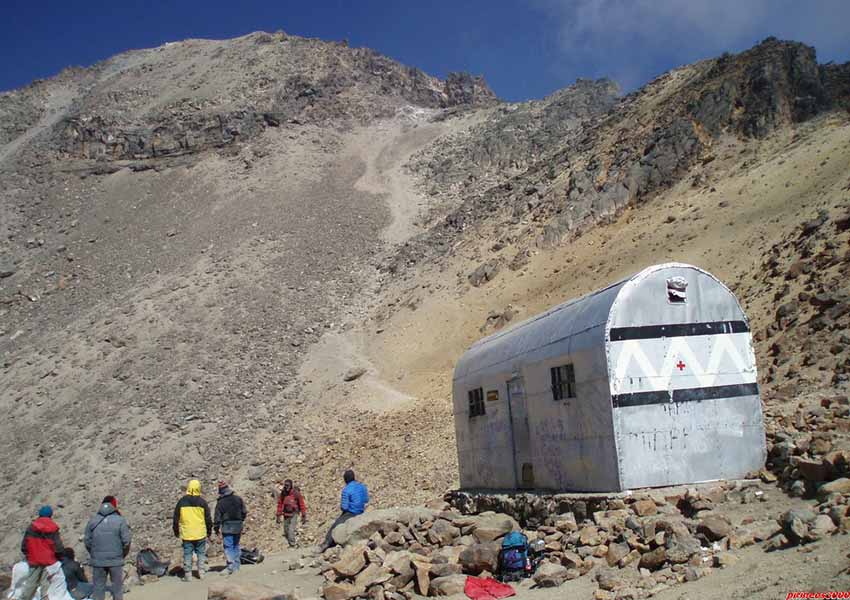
[(619, 334), (686, 395)]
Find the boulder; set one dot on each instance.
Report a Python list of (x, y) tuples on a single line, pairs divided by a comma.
[(351, 561), (480, 557), (611, 519), (372, 575), (384, 520), (814, 470), (423, 578), (654, 559), (488, 528), (566, 523), (339, 591), (551, 575), (445, 569), (644, 508), (589, 536), (681, 547), (839, 486), (616, 552), (795, 524), (442, 533), (229, 590), (448, 586), (821, 525), (714, 527), (571, 560), (612, 579)]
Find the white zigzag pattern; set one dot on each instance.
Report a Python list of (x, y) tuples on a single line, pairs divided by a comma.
[(678, 348)]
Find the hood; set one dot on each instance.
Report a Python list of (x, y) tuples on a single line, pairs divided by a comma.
[(194, 488), (45, 525), (106, 509)]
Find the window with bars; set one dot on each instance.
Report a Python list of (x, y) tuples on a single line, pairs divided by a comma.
[(476, 402), (563, 382)]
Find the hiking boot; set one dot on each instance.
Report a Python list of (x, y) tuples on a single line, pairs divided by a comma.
[(186, 578), (201, 574)]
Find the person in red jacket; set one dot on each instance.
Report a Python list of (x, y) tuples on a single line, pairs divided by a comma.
[(42, 548), (290, 503)]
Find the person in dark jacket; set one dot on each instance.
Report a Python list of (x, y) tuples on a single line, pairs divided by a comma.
[(75, 577), (42, 547), (107, 539), (353, 502), (230, 515), (192, 523), (290, 503)]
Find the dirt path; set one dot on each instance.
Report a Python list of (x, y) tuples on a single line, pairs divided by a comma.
[(56, 108)]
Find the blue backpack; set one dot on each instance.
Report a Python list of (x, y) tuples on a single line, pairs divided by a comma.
[(513, 557)]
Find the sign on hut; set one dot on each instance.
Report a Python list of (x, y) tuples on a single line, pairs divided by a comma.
[(648, 382)]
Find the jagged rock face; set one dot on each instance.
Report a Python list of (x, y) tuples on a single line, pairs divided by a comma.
[(772, 84), (232, 90), (580, 156)]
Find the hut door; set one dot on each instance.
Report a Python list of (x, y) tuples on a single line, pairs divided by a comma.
[(523, 468)]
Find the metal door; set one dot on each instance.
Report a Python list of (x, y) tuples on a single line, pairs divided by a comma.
[(523, 467)]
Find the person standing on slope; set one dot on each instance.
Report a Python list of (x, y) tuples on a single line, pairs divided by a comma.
[(355, 496), (107, 539), (290, 503), (192, 523), (42, 548), (230, 515)]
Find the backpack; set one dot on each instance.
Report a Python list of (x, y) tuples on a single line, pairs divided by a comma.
[(148, 562), (251, 556), (513, 557)]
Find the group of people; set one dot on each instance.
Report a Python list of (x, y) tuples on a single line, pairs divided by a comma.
[(51, 569)]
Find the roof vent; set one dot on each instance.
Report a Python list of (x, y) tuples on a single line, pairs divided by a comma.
[(677, 290)]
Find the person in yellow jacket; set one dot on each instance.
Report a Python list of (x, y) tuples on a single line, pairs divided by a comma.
[(192, 523)]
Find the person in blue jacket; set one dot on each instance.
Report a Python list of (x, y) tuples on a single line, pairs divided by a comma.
[(355, 496)]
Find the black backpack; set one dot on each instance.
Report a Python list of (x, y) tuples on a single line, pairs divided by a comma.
[(251, 556), (149, 563)]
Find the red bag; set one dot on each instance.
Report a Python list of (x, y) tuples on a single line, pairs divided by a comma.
[(486, 589)]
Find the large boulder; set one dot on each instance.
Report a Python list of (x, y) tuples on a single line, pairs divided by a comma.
[(552, 575), (230, 590), (442, 533), (680, 548), (488, 528), (384, 520), (715, 527), (480, 557), (448, 586), (839, 486), (341, 591), (351, 561)]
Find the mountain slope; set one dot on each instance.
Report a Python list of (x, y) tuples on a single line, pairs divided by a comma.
[(251, 258)]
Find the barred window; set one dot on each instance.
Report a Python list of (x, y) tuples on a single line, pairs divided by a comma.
[(476, 402), (563, 382)]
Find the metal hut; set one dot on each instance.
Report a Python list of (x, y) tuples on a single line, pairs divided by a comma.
[(648, 382)]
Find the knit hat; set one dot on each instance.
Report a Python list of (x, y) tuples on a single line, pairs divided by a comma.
[(110, 500), (45, 511), (223, 488)]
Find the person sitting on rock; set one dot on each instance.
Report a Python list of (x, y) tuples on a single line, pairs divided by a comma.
[(75, 577), (290, 503), (355, 496)]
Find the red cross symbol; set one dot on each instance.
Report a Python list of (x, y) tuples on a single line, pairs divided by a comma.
[(680, 365)]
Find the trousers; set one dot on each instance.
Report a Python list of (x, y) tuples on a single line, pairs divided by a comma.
[(232, 551), (116, 578)]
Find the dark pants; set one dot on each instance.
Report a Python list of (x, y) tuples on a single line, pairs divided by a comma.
[(329, 540), (116, 578)]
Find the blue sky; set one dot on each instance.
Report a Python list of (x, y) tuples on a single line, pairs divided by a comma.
[(525, 49)]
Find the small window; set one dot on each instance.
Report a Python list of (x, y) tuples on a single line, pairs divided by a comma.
[(563, 382), (677, 290), (476, 402)]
